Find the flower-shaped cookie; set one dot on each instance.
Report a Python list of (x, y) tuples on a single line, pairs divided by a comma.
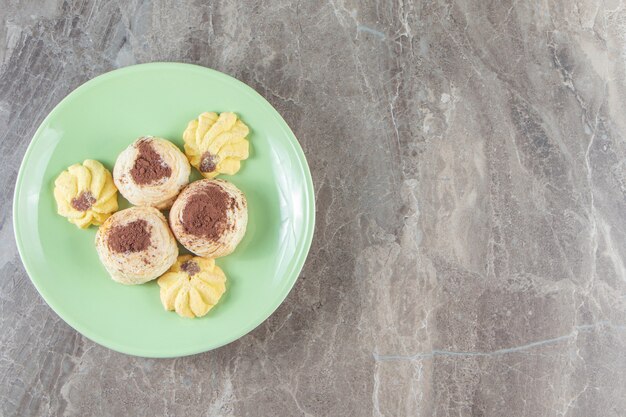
[(216, 144), (85, 194), (192, 286)]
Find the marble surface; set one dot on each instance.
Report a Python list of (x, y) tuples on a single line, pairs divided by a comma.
[(469, 166)]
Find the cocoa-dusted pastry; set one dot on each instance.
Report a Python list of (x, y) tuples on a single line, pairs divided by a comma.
[(209, 217), (136, 245), (151, 172)]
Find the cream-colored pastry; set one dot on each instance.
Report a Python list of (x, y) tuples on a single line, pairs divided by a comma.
[(209, 217), (151, 172), (85, 194), (136, 245), (192, 286), (216, 144)]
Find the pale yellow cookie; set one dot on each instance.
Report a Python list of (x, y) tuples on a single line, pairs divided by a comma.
[(85, 194), (216, 144), (192, 286)]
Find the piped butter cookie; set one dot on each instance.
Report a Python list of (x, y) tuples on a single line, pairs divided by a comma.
[(216, 144), (85, 194), (192, 286)]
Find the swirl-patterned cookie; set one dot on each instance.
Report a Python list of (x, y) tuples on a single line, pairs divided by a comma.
[(192, 286), (216, 144), (85, 194)]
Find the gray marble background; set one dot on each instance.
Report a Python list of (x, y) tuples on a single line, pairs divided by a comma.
[(469, 168)]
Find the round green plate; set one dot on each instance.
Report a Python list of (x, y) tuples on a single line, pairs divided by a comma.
[(100, 119)]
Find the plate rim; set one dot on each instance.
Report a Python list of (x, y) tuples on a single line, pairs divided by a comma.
[(300, 254)]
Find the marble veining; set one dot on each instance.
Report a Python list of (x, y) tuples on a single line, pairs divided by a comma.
[(574, 333), (469, 166)]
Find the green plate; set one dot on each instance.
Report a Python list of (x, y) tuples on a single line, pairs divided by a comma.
[(100, 119)]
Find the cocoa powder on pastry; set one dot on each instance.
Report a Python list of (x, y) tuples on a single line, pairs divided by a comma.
[(207, 163), (190, 267), (209, 217), (206, 213), (149, 167), (83, 202), (131, 237)]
